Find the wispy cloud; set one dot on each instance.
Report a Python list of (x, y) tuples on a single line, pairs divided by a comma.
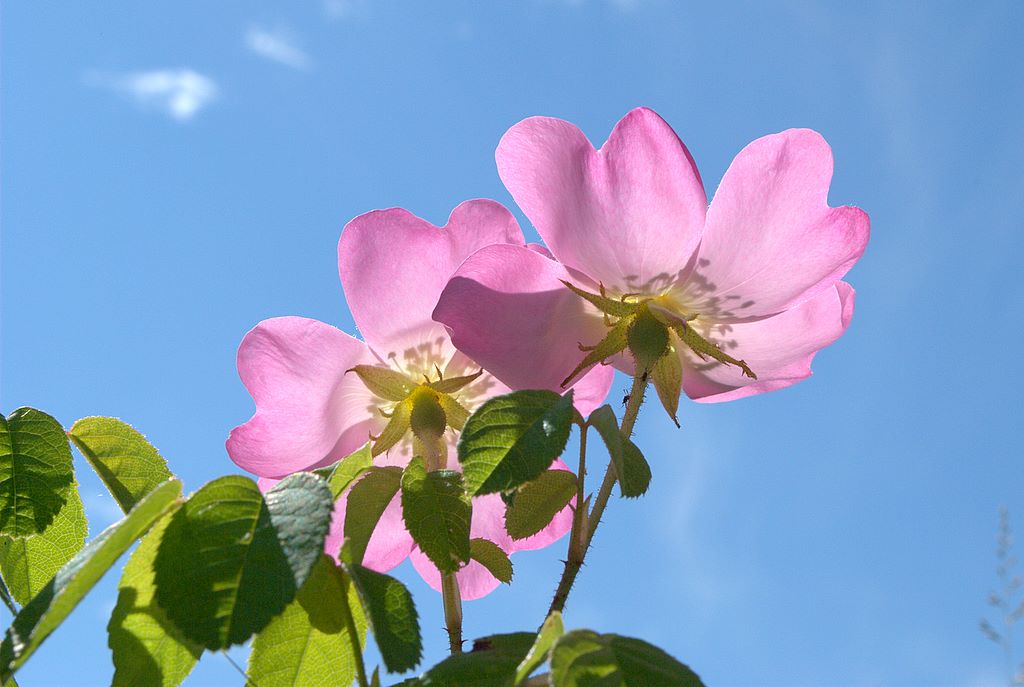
[(342, 9), (278, 46), (178, 93)]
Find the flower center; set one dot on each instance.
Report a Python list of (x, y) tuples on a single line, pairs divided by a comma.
[(426, 409)]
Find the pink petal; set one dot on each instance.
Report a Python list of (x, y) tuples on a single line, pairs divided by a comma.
[(507, 310), (393, 266), (475, 581), (629, 215), (308, 411), (771, 239), (779, 349)]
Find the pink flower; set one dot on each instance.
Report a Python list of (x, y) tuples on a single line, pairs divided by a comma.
[(747, 289), (310, 413)]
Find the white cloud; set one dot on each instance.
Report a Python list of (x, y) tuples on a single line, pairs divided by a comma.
[(179, 93), (278, 46)]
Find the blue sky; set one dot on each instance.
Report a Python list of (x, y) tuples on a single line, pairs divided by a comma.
[(173, 173)]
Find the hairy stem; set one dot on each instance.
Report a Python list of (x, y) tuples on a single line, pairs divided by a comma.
[(452, 611), (583, 534), (353, 637)]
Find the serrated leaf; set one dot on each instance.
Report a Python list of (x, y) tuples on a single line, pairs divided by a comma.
[(309, 643), (47, 610), (388, 384), (390, 614), (583, 658), (667, 377), (538, 501), (148, 649), (491, 556), (230, 561), (340, 475), (631, 468), (549, 633), (126, 462), (492, 662), (28, 564), (367, 500), (437, 511), (36, 472), (512, 439)]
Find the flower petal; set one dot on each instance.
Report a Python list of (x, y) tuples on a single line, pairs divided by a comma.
[(629, 215), (393, 266), (779, 349), (507, 310), (308, 411), (771, 239)]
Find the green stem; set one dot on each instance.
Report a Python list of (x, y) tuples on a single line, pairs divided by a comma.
[(583, 533), (353, 637), (452, 611)]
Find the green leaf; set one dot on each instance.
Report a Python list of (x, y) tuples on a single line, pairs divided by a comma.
[(29, 564), (340, 475), (538, 501), (583, 658), (492, 662), (667, 377), (148, 649), (390, 385), (512, 439), (230, 561), (390, 613), (490, 555), (634, 474), (128, 464), (36, 472), (309, 643), (437, 511), (51, 606), (549, 633), (367, 500)]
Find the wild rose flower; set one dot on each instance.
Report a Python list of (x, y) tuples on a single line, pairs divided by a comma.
[(735, 299), (313, 409)]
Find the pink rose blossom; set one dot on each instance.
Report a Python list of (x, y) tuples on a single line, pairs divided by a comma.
[(310, 413), (756, 275)]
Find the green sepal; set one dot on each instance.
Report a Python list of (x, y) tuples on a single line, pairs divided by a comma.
[(609, 306), (615, 341), (454, 411), (647, 338), (388, 384), (667, 378), (394, 431), (453, 384), (705, 349)]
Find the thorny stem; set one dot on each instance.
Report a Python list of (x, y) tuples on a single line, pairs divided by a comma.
[(353, 637), (583, 534), (450, 596)]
